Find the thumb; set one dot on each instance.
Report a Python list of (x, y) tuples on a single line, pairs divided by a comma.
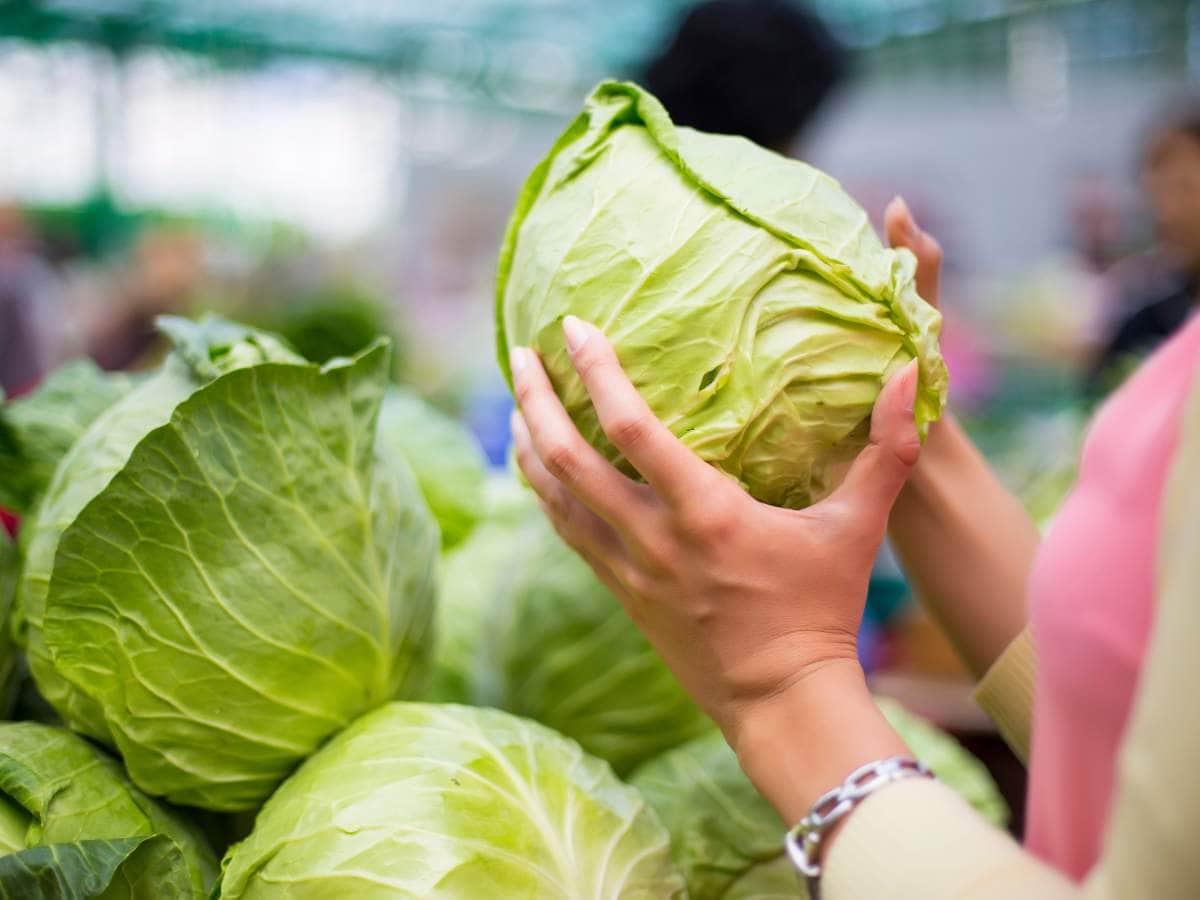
[(877, 475)]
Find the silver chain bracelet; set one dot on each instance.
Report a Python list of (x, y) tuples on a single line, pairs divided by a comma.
[(803, 842)]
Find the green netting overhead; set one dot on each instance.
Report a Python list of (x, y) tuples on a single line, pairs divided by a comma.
[(389, 32), (497, 46)]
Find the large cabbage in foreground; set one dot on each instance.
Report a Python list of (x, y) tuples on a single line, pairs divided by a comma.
[(420, 800), (224, 572), (746, 294)]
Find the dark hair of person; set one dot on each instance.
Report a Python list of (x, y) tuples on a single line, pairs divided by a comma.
[(758, 68), (1178, 117)]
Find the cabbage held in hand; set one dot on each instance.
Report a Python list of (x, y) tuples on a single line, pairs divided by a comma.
[(746, 295), (427, 801)]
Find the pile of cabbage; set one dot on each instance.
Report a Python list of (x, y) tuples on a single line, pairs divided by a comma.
[(271, 628), (280, 613)]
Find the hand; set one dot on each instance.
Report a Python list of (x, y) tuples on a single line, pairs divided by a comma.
[(743, 601), (902, 231), (966, 544)]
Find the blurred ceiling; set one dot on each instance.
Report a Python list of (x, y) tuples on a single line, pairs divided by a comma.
[(530, 53)]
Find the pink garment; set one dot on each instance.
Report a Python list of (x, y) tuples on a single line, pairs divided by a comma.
[(1091, 596)]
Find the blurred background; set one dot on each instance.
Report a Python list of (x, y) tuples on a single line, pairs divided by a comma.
[(332, 170)]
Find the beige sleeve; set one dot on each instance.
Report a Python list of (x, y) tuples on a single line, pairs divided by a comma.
[(916, 840), (1006, 693)]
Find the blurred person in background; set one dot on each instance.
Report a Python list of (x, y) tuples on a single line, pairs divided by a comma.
[(761, 69), (1062, 308), (1156, 293), (29, 306), (163, 271)]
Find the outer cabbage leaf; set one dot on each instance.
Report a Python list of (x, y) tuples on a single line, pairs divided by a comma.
[(108, 869), (74, 826), (203, 350), (37, 430), (746, 294), (775, 879), (569, 657), (250, 581), (445, 456), (214, 346), (721, 827), (430, 801), (14, 826), (84, 471), (727, 840)]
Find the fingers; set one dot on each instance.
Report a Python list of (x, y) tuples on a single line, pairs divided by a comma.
[(561, 449), (668, 466), (593, 538), (877, 475), (902, 231)]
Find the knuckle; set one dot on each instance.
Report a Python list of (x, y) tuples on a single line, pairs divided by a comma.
[(629, 429), (587, 362), (561, 460), (637, 580), (907, 451), (657, 553), (713, 522)]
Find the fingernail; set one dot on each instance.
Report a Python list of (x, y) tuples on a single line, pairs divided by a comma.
[(517, 360), (576, 333)]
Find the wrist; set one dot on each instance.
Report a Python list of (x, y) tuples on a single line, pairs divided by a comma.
[(805, 740)]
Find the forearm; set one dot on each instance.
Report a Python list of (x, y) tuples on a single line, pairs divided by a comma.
[(966, 545), (805, 741)]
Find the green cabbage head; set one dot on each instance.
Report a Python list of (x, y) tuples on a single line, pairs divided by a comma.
[(72, 826), (453, 802), (224, 572), (747, 296), (473, 577), (38, 429), (569, 656), (728, 841), (444, 455)]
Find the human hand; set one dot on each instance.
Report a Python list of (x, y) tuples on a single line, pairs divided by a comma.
[(902, 230), (742, 600)]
